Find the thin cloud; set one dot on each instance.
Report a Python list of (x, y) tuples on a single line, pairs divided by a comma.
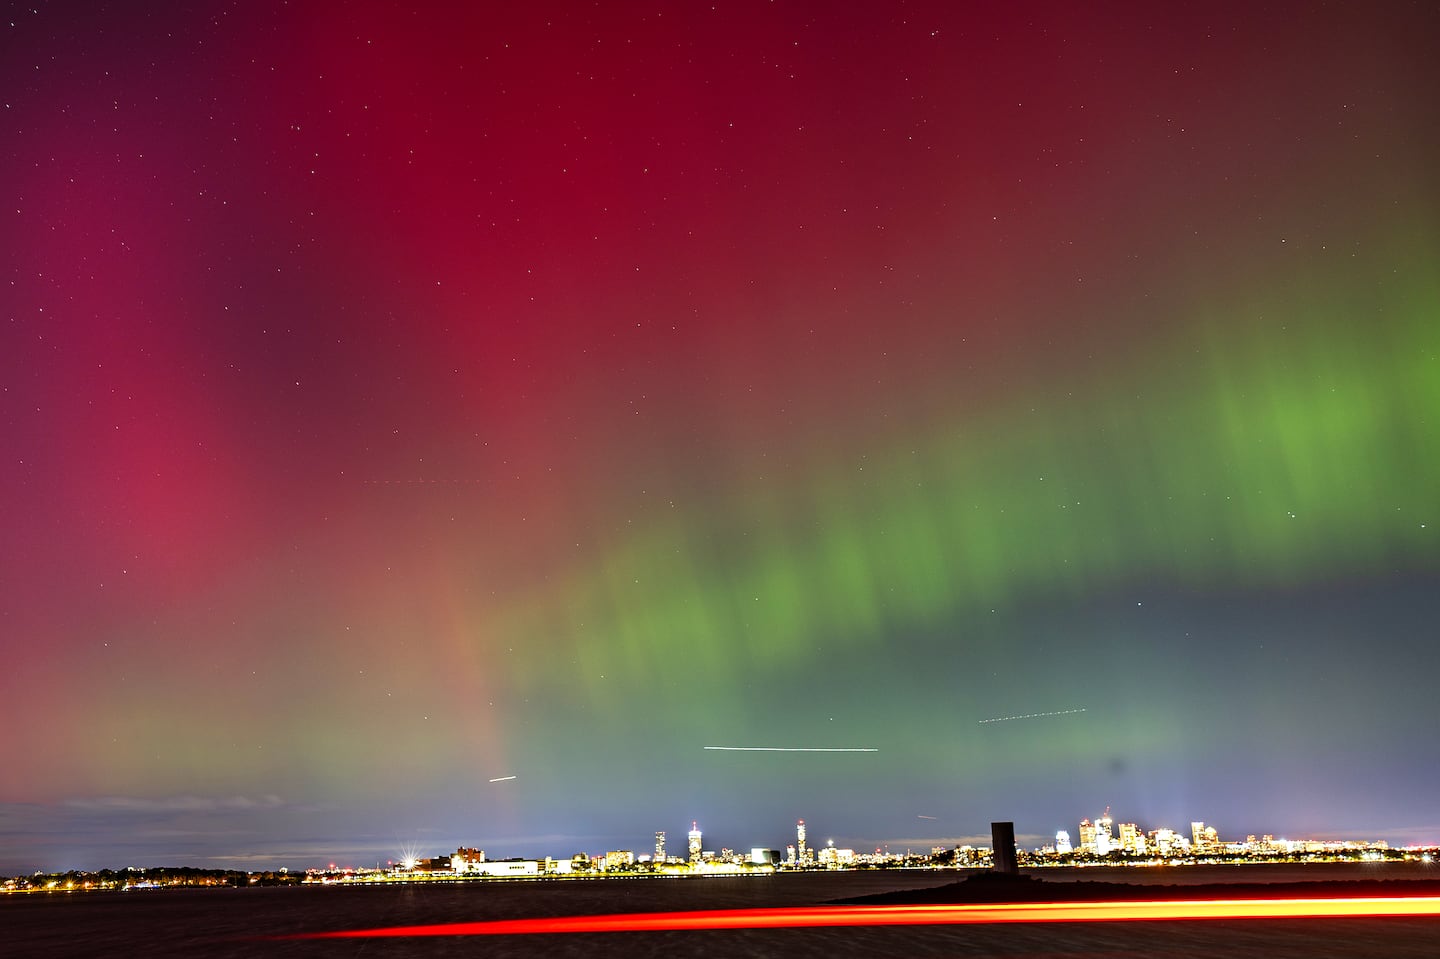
[(145, 805)]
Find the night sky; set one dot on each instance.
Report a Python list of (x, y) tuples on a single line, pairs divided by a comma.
[(393, 400)]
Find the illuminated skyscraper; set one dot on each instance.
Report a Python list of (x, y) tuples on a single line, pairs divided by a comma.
[(1062, 842), (694, 842), (1104, 841), (1087, 836), (800, 839), (1132, 840), (660, 846)]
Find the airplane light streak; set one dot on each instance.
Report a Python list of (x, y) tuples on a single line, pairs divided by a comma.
[(795, 749), (1060, 712)]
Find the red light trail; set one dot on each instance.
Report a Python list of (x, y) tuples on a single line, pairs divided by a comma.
[(816, 916)]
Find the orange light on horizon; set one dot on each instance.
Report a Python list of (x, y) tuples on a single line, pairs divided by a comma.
[(820, 916)]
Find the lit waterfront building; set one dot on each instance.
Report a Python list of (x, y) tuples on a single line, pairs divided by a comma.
[(790, 854), (467, 859), (800, 839), (1062, 842), (695, 851), (507, 868), (660, 846), (1197, 835)]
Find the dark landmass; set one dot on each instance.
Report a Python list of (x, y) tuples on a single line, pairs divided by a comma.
[(994, 888), (77, 880)]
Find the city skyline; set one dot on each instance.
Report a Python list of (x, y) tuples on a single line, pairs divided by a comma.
[(800, 852), (524, 425), (1185, 837)]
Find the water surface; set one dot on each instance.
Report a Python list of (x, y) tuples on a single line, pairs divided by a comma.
[(230, 922)]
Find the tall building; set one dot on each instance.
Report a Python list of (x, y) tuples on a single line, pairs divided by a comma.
[(695, 842), (1104, 841), (660, 846), (1087, 836), (1197, 835), (1132, 840), (800, 839), (1062, 842)]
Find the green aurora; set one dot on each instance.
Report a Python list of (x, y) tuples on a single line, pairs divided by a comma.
[(1263, 443)]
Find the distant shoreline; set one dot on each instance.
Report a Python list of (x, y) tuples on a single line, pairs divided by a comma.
[(951, 886)]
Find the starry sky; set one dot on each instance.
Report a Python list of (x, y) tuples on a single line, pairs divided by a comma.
[(397, 399)]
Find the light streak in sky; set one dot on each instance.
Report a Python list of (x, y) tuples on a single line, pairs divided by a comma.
[(422, 482), (1059, 712), (795, 749), (924, 817), (820, 916), (502, 779)]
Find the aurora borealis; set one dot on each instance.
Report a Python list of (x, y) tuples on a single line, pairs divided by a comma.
[(439, 427)]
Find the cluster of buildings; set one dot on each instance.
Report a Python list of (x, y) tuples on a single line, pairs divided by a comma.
[(468, 862), (1096, 839), (1102, 839)]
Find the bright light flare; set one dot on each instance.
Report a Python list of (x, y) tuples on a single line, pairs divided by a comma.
[(818, 916)]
